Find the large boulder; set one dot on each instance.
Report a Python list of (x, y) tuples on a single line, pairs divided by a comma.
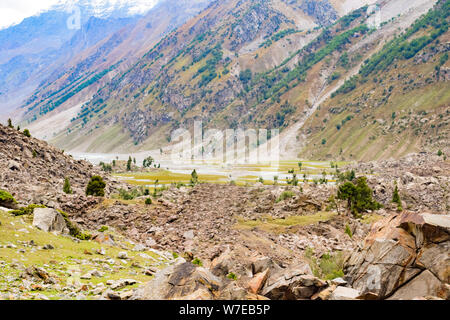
[(49, 220), (181, 281), (405, 251), (294, 283)]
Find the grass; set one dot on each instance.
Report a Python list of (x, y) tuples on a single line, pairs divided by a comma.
[(66, 251), (269, 224), (371, 218), (285, 195), (328, 267)]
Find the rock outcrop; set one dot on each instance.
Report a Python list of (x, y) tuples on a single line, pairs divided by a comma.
[(405, 256), (49, 220), (181, 281)]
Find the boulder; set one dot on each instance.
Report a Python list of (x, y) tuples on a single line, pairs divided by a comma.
[(258, 281), (396, 254), (295, 283), (344, 293), (49, 220), (425, 284), (182, 280), (104, 238)]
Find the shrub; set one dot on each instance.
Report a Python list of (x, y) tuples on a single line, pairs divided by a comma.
[(6, 199), (232, 276), (396, 198), (26, 210), (148, 201), (197, 262), (129, 162), (27, 133), (96, 187), (285, 195), (73, 229), (67, 188), (103, 229), (348, 231)]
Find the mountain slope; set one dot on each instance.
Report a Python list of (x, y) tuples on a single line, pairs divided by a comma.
[(397, 104), (34, 48), (249, 64), (195, 72), (82, 76)]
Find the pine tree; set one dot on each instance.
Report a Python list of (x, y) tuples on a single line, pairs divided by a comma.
[(10, 124), (96, 187), (194, 178), (129, 164), (396, 198), (67, 188)]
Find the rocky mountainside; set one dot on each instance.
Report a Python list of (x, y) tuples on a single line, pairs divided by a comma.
[(202, 62), (284, 65), (34, 171)]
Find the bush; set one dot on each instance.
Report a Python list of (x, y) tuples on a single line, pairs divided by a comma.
[(67, 188), (27, 133), (194, 178), (348, 231), (26, 210), (103, 229), (197, 262), (96, 187), (73, 229), (6, 199), (148, 201), (285, 195), (232, 276)]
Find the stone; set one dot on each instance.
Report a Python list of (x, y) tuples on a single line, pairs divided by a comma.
[(344, 293), (189, 235), (258, 281), (104, 238), (122, 255), (86, 276), (182, 280), (48, 220), (339, 282), (139, 248), (425, 284), (119, 284), (397, 253)]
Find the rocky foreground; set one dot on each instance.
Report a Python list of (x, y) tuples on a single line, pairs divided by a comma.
[(222, 241)]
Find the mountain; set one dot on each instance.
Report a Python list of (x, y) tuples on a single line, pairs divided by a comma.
[(251, 26), (91, 68), (266, 64), (34, 48)]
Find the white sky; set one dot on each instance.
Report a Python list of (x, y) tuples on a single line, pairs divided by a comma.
[(14, 11)]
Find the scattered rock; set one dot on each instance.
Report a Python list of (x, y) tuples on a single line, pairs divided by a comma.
[(49, 220)]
